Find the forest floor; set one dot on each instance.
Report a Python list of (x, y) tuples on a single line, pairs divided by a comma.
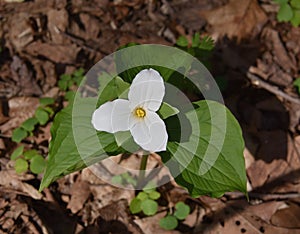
[(257, 57)]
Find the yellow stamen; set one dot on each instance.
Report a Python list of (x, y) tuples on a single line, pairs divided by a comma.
[(140, 112)]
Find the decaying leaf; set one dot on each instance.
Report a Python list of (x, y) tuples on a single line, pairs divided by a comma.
[(236, 19)]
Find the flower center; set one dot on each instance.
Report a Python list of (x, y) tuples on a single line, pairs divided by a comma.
[(140, 112)]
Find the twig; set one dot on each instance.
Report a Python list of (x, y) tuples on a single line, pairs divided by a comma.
[(263, 197), (271, 88)]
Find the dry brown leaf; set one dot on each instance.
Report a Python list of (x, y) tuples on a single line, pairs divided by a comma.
[(80, 192), (20, 109), (57, 22), (288, 217), (24, 78), (55, 53), (281, 56), (8, 179), (236, 19)]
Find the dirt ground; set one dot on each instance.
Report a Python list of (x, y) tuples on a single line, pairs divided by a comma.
[(257, 57)]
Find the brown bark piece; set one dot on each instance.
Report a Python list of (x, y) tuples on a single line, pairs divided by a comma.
[(57, 22)]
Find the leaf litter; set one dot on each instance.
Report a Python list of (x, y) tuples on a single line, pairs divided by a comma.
[(43, 39)]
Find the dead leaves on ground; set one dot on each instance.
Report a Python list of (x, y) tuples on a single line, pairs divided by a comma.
[(240, 20)]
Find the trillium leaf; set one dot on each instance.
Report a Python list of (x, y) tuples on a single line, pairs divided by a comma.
[(130, 61), (211, 162), (74, 143), (111, 88), (166, 110)]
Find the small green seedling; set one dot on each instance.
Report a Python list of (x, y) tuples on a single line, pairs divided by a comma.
[(145, 201), (67, 81), (30, 159), (297, 84), (42, 115), (124, 179), (171, 221), (289, 11), (204, 43)]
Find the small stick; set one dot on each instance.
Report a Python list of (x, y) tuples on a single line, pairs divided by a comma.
[(271, 88)]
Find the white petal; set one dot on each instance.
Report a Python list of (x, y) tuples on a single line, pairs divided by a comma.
[(150, 132), (112, 116), (147, 90)]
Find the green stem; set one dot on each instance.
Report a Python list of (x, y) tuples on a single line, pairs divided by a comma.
[(142, 170)]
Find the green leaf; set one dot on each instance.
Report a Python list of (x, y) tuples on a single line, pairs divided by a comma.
[(29, 124), (285, 13), (207, 43), (111, 88), (182, 211), (46, 101), (29, 154), (125, 141), (196, 40), (166, 110), (49, 110), (135, 206), (19, 134), (281, 1), (63, 85), (21, 165), (296, 18), (149, 207), (182, 41), (211, 162), (295, 4), (41, 115), (142, 196), (17, 152), (130, 61), (297, 84), (154, 195), (169, 222), (117, 179), (69, 96), (37, 164), (75, 142), (78, 76)]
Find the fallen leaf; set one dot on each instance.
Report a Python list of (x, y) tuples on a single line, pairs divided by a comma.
[(20, 109), (236, 19), (55, 53), (9, 180), (281, 56), (287, 217), (80, 192)]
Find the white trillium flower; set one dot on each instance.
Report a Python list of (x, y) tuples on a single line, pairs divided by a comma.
[(138, 113)]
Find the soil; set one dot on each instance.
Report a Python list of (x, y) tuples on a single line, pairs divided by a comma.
[(256, 57)]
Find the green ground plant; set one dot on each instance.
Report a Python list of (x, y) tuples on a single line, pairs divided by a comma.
[(289, 11), (32, 159)]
